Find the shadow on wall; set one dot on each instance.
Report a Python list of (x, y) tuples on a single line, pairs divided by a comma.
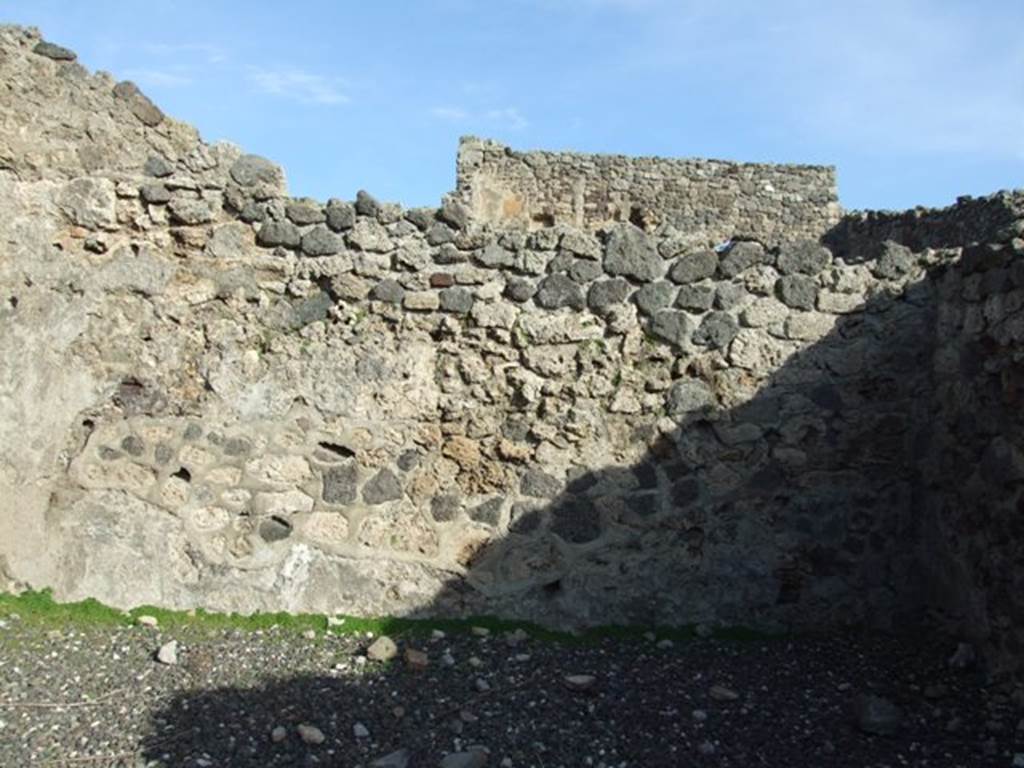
[(796, 508), (823, 499), (804, 505)]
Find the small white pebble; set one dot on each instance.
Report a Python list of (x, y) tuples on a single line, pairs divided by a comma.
[(310, 734)]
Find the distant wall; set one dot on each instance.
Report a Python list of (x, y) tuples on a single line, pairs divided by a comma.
[(708, 200)]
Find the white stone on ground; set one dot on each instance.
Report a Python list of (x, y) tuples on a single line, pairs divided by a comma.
[(168, 653), (310, 734)]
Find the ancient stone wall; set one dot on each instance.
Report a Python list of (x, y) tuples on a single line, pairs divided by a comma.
[(708, 201), (214, 394)]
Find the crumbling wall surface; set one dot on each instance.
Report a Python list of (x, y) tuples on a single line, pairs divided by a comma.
[(974, 461), (708, 201), (215, 394)]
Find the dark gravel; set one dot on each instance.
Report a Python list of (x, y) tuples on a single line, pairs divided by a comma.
[(96, 696)]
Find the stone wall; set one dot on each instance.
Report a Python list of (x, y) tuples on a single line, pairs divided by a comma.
[(708, 201), (214, 394), (973, 463)]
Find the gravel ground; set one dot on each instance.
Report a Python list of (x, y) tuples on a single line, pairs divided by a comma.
[(97, 696)]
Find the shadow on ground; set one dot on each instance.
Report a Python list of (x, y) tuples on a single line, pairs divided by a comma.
[(801, 507)]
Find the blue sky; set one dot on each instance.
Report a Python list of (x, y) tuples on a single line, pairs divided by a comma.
[(915, 101)]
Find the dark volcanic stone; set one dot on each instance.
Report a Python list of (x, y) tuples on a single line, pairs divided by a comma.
[(458, 300), (366, 204), (382, 487), (446, 507), (806, 257), (536, 482), (145, 110), (408, 460), (133, 445), (250, 170), (630, 253), (520, 289), (275, 529), (577, 521), (163, 453), (556, 291), (695, 298), (489, 512), (716, 330), (693, 266), (797, 291), (389, 291), (672, 326), (495, 256), (340, 215), (895, 262), (303, 212), (605, 294), (55, 52), (283, 233), (524, 519), (654, 296), (454, 213), (320, 241), (729, 295), (440, 233), (340, 483), (158, 167), (155, 194), (421, 218), (741, 256), (585, 271)]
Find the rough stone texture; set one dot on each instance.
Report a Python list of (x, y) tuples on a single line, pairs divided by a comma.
[(816, 428), (710, 200), (630, 253)]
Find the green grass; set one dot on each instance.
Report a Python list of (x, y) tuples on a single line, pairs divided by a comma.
[(40, 609)]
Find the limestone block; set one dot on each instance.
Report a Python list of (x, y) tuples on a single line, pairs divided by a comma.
[(278, 470)]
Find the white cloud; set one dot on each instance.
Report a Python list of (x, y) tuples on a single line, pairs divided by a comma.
[(158, 78), (299, 85), (451, 114), (908, 76), (509, 118)]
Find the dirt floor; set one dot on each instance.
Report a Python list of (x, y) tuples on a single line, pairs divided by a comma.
[(98, 696)]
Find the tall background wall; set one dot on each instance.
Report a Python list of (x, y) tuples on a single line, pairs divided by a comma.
[(707, 200), (214, 394)]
